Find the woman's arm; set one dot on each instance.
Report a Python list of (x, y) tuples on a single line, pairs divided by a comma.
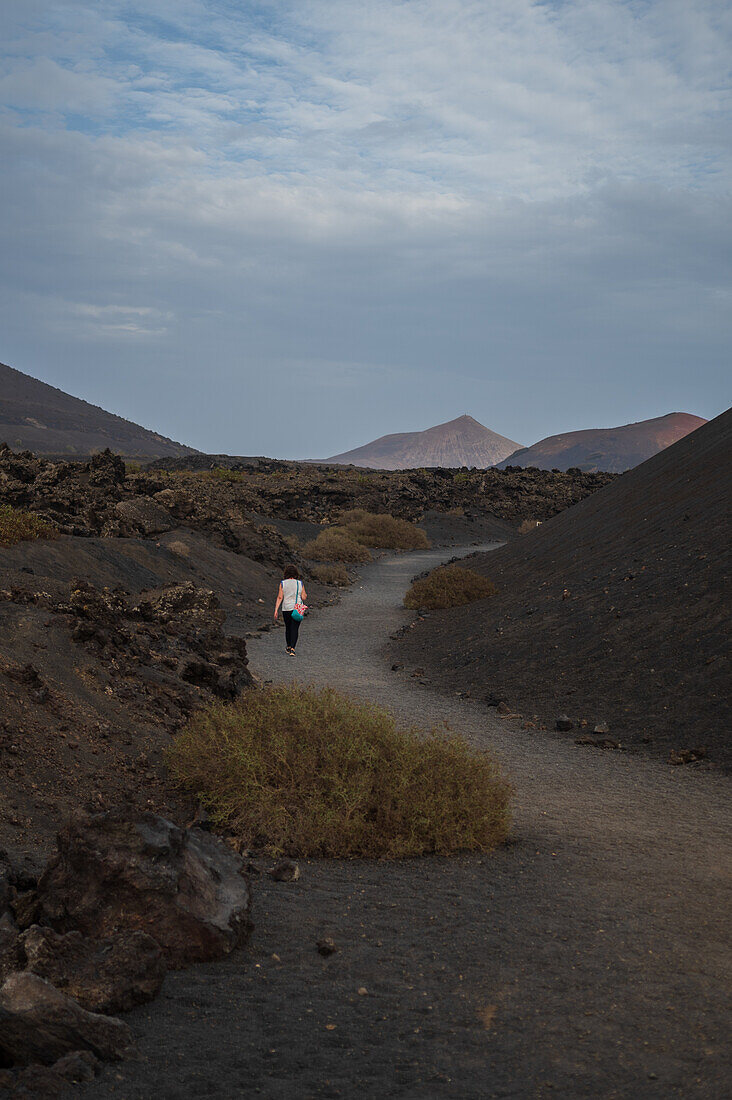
[(280, 595), (303, 593)]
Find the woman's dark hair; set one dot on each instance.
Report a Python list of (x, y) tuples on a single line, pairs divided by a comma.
[(291, 573)]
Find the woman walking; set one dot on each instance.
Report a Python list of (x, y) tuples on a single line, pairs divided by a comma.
[(290, 592)]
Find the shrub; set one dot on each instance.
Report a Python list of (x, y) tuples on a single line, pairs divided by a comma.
[(385, 531), (310, 772), (335, 544), (529, 525), (448, 586), (292, 543), (223, 473), (16, 526), (331, 572)]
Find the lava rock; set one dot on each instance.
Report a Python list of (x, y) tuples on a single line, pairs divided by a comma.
[(116, 872), (285, 871), (326, 947), (563, 723), (38, 1023), (108, 976)]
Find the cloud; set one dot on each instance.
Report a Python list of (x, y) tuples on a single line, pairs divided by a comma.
[(474, 197)]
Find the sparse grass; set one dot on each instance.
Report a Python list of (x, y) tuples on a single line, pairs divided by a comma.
[(133, 468), (223, 473), (448, 586), (335, 544), (383, 531), (309, 772), (331, 572), (17, 526)]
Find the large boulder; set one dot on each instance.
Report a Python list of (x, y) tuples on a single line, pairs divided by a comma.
[(38, 1023), (142, 516), (110, 975), (113, 872)]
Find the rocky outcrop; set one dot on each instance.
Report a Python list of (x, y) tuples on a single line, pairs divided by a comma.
[(183, 887), (40, 1024), (109, 975)]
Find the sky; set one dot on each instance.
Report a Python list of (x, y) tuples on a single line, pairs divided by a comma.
[(290, 227)]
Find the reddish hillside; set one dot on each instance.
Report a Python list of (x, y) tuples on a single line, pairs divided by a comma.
[(37, 417), (461, 442), (613, 449), (615, 610)]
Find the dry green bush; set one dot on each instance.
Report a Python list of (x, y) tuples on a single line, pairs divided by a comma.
[(331, 572), (448, 586), (223, 473), (310, 772), (16, 526), (383, 531), (335, 544), (292, 543)]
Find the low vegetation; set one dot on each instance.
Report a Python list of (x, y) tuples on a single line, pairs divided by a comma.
[(448, 586), (331, 572), (335, 544), (308, 772), (528, 526), (17, 526), (382, 531)]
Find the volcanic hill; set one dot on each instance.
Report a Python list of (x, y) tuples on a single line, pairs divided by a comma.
[(37, 417), (615, 611), (613, 449), (461, 442)]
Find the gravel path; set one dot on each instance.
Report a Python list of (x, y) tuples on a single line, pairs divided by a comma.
[(587, 958)]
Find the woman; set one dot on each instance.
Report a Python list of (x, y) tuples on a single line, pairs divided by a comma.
[(289, 593)]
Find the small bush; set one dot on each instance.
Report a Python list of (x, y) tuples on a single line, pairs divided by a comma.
[(331, 572), (292, 543), (18, 526), (310, 772), (448, 586), (529, 525), (335, 544), (384, 531), (223, 473)]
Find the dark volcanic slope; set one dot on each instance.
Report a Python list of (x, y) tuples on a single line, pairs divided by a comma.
[(616, 610), (614, 449), (461, 442), (37, 417)]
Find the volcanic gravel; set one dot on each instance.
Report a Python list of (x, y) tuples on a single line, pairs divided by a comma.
[(583, 959)]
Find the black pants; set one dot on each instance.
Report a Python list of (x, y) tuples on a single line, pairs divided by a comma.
[(291, 628)]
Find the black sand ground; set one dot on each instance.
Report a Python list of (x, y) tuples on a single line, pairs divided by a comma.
[(585, 959), (616, 611)]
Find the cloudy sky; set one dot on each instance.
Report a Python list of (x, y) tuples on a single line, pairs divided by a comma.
[(287, 227)]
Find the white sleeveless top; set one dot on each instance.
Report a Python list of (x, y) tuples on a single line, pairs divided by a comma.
[(289, 590)]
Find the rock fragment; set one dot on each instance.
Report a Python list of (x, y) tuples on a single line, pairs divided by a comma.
[(39, 1023)]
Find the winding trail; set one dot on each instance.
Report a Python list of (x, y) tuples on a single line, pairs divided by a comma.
[(587, 958)]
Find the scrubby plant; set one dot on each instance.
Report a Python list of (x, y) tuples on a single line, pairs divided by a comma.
[(223, 473), (529, 525), (308, 772), (331, 572), (383, 531), (17, 526), (448, 586), (335, 544), (292, 543)]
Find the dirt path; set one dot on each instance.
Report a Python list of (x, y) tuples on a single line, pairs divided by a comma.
[(585, 959)]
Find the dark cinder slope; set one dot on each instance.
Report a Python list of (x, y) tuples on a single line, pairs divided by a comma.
[(37, 417), (461, 442), (616, 610), (613, 449)]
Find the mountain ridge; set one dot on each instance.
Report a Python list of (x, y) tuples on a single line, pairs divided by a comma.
[(36, 416), (612, 449), (463, 441)]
